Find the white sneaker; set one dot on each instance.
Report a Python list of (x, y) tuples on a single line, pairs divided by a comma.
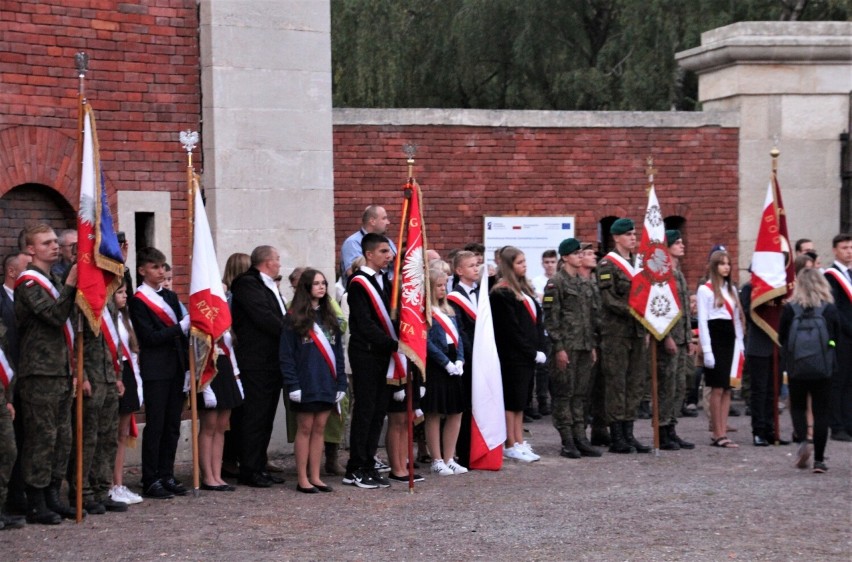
[(122, 494), (441, 469), (516, 452), (527, 448), (456, 467)]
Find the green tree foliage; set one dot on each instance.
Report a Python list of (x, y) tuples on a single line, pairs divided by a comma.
[(533, 54)]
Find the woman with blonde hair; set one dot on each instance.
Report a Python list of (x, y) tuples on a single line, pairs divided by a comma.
[(519, 334), (811, 298), (720, 331)]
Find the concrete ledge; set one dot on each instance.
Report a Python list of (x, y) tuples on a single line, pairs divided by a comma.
[(534, 119)]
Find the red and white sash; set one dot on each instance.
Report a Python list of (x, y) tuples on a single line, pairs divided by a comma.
[(447, 324), (112, 340), (6, 371), (157, 304), (464, 303), (738, 362), (622, 264), (325, 349), (127, 355), (398, 363), (529, 303), (36, 277), (842, 280)]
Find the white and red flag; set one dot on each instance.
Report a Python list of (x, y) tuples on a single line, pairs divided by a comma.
[(209, 314), (414, 302), (653, 292), (488, 426), (772, 271), (100, 264)]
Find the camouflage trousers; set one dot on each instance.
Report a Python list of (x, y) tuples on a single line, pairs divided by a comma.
[(100, 441), (569, 393), (672, 371), (624, 370), (46, 416), (8, 450)]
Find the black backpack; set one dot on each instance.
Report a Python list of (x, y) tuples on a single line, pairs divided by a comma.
[(808, 353)]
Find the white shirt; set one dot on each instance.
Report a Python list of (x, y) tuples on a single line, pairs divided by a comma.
[(843, 269), (471, 295), (539, 283), (273, 286), (374, 274), (707, 310), (10, 292)]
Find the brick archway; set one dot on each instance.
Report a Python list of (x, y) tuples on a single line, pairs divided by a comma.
[(38, 155)]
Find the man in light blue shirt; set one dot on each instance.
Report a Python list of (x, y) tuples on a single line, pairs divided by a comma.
[(375, 220)]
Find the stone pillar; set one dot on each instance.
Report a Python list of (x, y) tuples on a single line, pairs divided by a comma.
[(267, 128), (790, 81)]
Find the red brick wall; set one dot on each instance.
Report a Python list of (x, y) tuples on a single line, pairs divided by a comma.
[(468, 172), (143, 83)]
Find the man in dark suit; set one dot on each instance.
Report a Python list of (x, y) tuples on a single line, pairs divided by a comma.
[(257, 311), (839, 277)]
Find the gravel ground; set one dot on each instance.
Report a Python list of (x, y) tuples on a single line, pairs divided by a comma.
[(707, 504)]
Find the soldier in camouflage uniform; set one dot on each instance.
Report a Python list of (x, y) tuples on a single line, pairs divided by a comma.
[(569, 320), (623, 339), (101, 390), (595, 405), (8, 450), (44, 375), (673, 357)]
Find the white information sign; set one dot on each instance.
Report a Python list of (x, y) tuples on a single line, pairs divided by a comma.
[(533, 235)]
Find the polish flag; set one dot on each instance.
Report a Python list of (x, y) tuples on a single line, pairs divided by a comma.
[(488, 426)]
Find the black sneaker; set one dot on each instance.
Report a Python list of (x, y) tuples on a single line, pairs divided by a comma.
[(359, 479), (417, 477), (174, 486), (820, 467), (380, 480), (157, 491), (380, 466)]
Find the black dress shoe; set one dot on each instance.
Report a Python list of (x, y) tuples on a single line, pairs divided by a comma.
[(779, 441), (217, 488), (311, 490), (272, 478), (157, 491), (174, 486), (760, 441), (256, 480)]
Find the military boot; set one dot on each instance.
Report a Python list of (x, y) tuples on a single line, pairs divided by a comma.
[(632, 441), (569, 450), (644, 412), (54, 503), (37, 511), (666, 444), (585, 447), (600, 436), (618, 444), (16, 501), (673, 436)]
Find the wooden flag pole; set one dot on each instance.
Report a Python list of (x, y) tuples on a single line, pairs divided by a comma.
[(776, 391), (81, 60), (655, 402)]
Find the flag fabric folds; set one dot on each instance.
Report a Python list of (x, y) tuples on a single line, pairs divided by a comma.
[(488, 426), (209, 314), (772, 271), (414, 302), (100, 264), (653, 292)]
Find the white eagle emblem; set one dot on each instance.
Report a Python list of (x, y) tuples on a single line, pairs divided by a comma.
[(413, 276)]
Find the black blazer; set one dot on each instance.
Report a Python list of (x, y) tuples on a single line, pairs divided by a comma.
[(843, 304), (257, 322), (518, 338), (365, 326), (467, 325), (7, 312), (163, 349)]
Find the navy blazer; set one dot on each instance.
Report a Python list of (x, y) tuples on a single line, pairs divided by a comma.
[(437, 346)]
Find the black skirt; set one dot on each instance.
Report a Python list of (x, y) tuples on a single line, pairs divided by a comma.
[(516, 385), (224, 386), (310, 407), (722, 341), (444, 392), (129, 401)]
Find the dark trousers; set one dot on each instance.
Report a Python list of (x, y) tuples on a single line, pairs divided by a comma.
[(819, 391), (231, 451), (163, 406), (762, 397), (841, 387), (262, 393), (368, 412), (463, 443)]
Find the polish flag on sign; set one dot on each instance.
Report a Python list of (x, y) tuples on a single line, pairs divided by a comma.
[(653, 292), (209, 314), (772, 271), (488, 426)]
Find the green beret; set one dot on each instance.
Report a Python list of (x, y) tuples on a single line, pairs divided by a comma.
[(568, 246), (673, 236), (621, 226)]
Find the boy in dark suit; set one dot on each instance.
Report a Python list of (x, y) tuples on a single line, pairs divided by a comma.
[(161, 330)]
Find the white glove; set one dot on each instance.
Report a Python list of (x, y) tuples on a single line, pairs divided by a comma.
[(240, 386), (186, 382), (296, 396), (399, 395), (709, 360), (460, 366), (540, 358), (451, 368), (418, 413), (209, 397), (184, 324), (340, 396), (422, 391)]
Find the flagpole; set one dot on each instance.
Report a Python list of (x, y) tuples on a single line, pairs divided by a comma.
[(188, 140), (81, 61), (774, 153), (655, 402), (409, 150)]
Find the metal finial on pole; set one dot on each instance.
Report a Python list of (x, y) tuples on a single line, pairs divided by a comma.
[(650, 170), (410, 149), (775, 153), (81, 62), (189, 140)]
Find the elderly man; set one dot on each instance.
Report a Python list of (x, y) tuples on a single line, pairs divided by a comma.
[(67, 253), (375, 220), (258, 317)]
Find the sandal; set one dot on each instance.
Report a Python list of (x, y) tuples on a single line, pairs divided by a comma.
[(724, 443)]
